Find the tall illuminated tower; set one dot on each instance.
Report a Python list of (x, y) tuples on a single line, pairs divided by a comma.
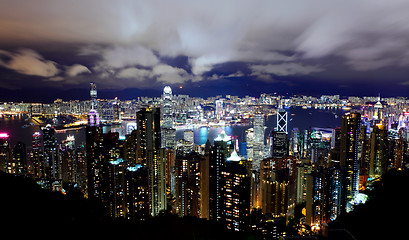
[(93, 116), (94, 147), (282, 120), (235, 194), (150, 153), (219, 109), (258, 143), (93, 94), (350, 155), (50, 152), (168, 132), (167, 108)]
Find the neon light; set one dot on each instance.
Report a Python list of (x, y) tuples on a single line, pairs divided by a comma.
[(4, 135)]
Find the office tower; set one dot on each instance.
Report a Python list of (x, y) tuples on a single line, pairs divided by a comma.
[(188, 135), (235, 194), (350, 155), (150, 153), (377, 115), (50, 152), (93, 115), (37, 155), (20, 158), (167, 108), (250, 144), (219, 112), (378, 142), (168, 132), (296, 142), (94, 148), (5, 154), (279, 144), (219, 152), (258, 143), (93, 95), (282, 120), (117, 109)]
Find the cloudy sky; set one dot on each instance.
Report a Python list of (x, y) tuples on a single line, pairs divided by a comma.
[(206, 47)]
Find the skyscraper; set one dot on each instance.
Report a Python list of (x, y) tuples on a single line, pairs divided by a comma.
[(93, 115), (5, 153), (94, 147), (350, 155), (282, 120), (20, 158), (150, 153), (50, 152), (258, 143), (37, 157), (279, 144), (167, 108), (168, 132), (235, 194), (220, 151), (219, 109)]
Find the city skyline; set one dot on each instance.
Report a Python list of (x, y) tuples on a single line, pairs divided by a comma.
[(134, 47), (230, 119)]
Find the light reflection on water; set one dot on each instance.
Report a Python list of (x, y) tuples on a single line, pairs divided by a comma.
[(301, 118)]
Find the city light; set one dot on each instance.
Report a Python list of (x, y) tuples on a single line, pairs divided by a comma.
[(4, 135)]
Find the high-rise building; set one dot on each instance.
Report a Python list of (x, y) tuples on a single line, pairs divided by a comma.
[(219, 152), (378, 145), (50, 152), (219, 112), (94, 153), (167, 108), (235, 194), (137, 192), (258, 143), (279, 144), (188, 179), (168, 132), (303, 170), (150, 153), (20, 158), (93, 94), (5, 154), (250, 144), (350, 155), (37, 155), (93, 115), (282, 116)]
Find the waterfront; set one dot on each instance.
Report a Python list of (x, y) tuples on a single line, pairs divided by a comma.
[(297, 118), (19, 130)]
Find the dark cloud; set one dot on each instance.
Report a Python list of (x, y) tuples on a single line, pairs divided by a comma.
[(147, 44)]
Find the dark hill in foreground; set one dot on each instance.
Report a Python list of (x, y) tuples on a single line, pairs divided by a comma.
[(31, 211), (385, 214)]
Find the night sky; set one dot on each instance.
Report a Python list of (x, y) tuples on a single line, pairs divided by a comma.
[(53, 48)]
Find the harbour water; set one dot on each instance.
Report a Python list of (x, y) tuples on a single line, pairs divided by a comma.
[(20, 130)]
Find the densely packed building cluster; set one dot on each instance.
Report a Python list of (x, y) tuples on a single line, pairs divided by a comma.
[(138, 170)]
